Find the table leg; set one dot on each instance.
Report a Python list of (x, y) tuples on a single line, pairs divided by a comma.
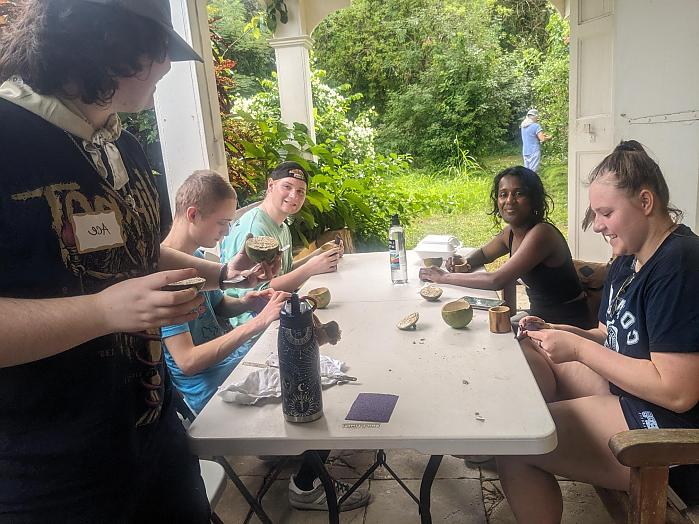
[(330, 493), (257, 507), (426, 488), (266, 485)]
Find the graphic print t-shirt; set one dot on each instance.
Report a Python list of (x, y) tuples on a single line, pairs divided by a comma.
[(67, 420), (658, 311)]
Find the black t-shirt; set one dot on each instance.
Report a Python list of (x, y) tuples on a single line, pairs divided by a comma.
[(657, 310), (79, 427)]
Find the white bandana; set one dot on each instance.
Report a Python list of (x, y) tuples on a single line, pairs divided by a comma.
[(64, 114)]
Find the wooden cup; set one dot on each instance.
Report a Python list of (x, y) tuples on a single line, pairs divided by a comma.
[(460, 265), (499, 319)]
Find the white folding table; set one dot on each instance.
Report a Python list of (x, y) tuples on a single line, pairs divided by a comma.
[(461, 391)]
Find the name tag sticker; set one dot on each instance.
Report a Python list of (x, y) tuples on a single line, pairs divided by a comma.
[(97, 231)]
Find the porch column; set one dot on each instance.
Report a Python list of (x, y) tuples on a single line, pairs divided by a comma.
[(294, 76), (186, 103), (291, 45)]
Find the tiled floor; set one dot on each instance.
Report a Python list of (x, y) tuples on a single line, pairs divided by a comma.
[(461, 493)]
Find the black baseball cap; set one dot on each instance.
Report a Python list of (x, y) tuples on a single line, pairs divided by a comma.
[(159, 12), (289, 169)]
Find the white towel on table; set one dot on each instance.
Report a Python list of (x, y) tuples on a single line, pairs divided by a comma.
[(264, 382)]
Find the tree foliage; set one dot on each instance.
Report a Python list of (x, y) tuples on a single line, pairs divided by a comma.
[(523, 23), (248, 48), (441, 72), (551, 86)]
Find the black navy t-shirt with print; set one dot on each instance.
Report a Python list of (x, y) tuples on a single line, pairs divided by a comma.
[(657, 312), (77, 425)]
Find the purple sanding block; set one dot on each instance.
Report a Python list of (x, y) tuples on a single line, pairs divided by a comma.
[(372, 407)]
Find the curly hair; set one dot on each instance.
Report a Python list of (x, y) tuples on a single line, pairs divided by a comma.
[(534, 189), (56, 43), (632, 169)]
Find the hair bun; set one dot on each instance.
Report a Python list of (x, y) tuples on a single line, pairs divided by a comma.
[(629, 145)]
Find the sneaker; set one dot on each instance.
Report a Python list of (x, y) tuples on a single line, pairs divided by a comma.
[(315, 498)]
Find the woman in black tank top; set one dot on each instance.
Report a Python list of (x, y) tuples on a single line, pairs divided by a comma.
[(539, 254)]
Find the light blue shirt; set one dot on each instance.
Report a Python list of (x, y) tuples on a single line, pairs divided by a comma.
[(199, 388), (530, 142)]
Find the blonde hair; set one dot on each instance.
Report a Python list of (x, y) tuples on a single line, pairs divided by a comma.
[(203, 189)]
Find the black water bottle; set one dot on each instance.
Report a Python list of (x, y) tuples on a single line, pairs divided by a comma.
[(299, 362)]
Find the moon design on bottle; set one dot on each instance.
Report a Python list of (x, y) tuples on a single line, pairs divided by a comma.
[(301, 382)]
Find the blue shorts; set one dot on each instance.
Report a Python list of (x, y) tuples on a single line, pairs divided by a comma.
[(640, 414)]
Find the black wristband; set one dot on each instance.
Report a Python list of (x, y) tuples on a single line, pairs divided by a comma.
[(223, 275)]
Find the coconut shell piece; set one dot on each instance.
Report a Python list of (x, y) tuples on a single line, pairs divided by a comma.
[(328, 333), (196, 282), (261, 249), (408, 322), (431, 293)]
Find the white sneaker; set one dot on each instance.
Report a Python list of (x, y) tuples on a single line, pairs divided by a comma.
[(315, 499)]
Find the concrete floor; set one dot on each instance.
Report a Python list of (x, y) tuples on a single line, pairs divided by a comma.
[(462, 493)]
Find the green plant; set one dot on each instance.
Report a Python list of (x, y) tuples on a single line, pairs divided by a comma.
[(274, 7), (348, 186), (341, 194), (143, 125), (236, 24), (266, 20)]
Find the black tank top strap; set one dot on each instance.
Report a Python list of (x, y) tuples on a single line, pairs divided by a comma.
[(509, 243)]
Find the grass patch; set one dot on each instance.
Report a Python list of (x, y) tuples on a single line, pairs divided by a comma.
[(458, 200)]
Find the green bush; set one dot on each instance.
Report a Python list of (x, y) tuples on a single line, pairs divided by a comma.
[(348, 185), (438, 72), (250, 50)]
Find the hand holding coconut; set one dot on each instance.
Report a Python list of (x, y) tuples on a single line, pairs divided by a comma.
[(137, 304), (531, 323), (332, 244), (257, 261)]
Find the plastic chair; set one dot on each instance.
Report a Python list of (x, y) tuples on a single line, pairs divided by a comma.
[(215, 483), (212, 473)]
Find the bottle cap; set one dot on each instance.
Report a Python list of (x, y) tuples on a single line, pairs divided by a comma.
[(395, 221)]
